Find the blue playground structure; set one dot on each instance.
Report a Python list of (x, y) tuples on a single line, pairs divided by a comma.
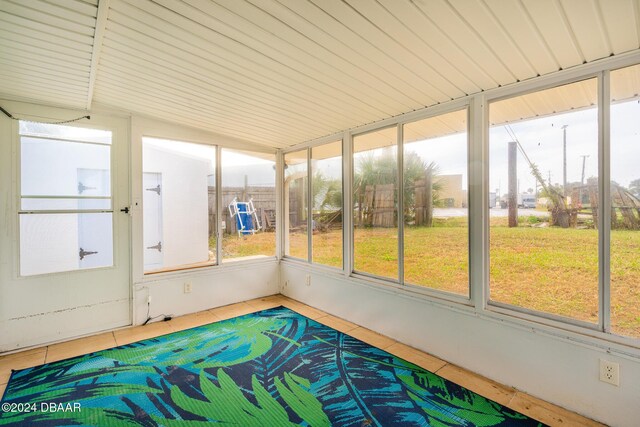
[(247, 221)]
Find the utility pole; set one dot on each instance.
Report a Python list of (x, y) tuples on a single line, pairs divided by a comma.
[(512, 203), (584, 159), (564, 160)]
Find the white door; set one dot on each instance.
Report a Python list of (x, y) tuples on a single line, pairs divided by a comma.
[(152, 220), (73, 189), (95, 230)]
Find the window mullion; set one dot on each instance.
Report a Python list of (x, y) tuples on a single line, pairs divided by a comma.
[(400, 206), (219, 231), (347, 203), (309, 208), (604, 189), (478, 187)]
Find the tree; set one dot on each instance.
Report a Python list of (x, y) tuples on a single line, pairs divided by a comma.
[(634, 187), (327, 193), (381, 169)]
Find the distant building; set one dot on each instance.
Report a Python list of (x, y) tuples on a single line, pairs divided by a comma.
[(451, 193)]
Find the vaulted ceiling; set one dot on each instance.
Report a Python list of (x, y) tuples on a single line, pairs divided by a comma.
[(280, 72)]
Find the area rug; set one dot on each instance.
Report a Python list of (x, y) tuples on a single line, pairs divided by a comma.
[(271, 368)]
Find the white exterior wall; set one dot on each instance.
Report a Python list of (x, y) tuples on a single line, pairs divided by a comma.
[(185, 209), (51, 242)]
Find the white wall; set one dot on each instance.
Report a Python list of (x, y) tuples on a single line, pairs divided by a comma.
[(561, 369), (215, 287), (185, 205)]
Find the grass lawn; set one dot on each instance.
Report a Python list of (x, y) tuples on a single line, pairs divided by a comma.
[(546, 269)]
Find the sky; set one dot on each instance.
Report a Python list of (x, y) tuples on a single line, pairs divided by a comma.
[(540, 138)]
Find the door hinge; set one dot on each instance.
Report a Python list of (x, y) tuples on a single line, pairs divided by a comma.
[(84, 253), (155, 189), (158, 247), (82, 188)]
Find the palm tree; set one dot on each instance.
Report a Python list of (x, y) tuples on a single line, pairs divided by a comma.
[(382, 169)]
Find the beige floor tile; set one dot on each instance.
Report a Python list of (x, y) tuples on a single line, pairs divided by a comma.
[(264, 303), (372, 338), (305, 310), (80, 346), (476, 383), (410, 354), (548, 413), (21, 360), (193, 320), (138, 333), (279, 298), (336, 323), (233, 310)]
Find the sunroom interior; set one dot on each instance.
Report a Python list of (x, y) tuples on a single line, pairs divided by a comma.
[(458, 177)]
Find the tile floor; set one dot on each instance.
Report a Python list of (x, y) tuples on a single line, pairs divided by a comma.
[(510, 397)]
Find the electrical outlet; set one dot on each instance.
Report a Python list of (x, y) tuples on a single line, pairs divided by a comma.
[(187, 287), (307, 280), (609, 372), (286, 283), (148, 299)]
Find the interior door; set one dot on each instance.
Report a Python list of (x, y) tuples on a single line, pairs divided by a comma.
[(152, 219)]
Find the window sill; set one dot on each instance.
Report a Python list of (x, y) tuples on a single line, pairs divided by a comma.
[(202, 270), (578, 334)]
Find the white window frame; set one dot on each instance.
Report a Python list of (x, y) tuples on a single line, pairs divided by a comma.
[(478, 136), (151, 128), (602, 281)]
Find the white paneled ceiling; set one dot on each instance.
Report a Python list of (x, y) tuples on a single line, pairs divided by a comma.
[(46, 49), (280, 72)]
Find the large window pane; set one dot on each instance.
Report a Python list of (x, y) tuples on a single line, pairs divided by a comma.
[(436, 242), (65, 173), (625, 202), (178, 204), (375, 198), (248, 204), (295, 195), (543, 177), (326, 187)]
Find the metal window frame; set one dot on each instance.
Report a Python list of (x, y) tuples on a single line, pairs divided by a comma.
[(597, 335), (500, 306), (353, 271), (285, 209), (310, 169), (466, 107)]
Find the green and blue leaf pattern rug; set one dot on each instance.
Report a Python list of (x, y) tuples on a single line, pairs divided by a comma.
[(271, 368)]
